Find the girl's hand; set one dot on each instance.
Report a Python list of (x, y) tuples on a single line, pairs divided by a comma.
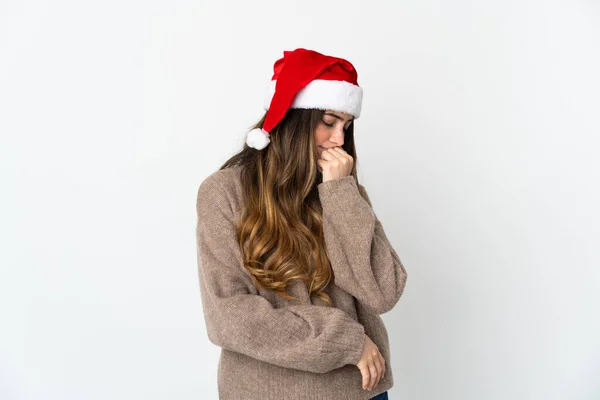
[(335, 163), (371, 364)]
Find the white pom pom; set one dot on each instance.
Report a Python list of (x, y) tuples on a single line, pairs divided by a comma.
[(258, 138)]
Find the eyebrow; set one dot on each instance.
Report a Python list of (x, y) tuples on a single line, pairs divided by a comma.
[(338, 117)]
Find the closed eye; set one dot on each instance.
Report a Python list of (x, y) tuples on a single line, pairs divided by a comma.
[(331, 125)]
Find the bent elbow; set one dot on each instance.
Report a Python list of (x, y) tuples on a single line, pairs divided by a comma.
[(386, 302)]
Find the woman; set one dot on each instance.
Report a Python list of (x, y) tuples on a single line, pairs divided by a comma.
[(294, 265)]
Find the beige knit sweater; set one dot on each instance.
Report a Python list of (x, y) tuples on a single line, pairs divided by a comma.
[(272, 348)]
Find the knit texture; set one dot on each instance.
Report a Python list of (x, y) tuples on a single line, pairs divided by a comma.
[(273, 348)]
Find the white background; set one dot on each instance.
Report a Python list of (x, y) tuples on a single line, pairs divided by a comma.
[(478, 144)]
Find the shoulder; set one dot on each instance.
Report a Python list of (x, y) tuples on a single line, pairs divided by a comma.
[(221, 180), (220, 188)]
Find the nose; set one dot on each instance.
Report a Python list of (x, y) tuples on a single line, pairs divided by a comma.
[(338, 137)]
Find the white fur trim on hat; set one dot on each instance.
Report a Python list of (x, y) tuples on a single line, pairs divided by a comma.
[(324, 94), (258, 138)]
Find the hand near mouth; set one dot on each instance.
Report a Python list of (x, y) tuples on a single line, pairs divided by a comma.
[(335, 163)]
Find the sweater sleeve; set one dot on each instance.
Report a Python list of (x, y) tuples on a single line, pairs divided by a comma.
[(362, 258), (300, 336)]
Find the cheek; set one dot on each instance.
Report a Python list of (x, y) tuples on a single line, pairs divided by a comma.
[(321, 135)]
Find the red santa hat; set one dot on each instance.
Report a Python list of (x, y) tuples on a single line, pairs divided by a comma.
[(307, 79)]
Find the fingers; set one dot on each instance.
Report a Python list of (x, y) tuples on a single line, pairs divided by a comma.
[(382, 365), (373, 372), (366, 376), (374, 375), (335, 152), (336, 162), (342, 159), (328, 155)]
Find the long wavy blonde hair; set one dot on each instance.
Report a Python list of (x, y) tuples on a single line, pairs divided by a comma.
[(280, 232)]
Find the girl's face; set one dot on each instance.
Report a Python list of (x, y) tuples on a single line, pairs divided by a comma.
[(331, 129)]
